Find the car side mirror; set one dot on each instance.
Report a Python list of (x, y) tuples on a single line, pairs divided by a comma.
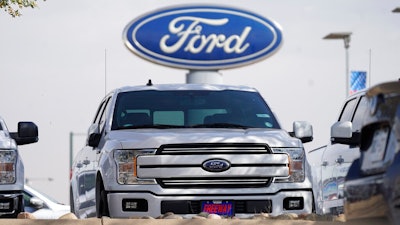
[(342, 133), (94, 135), (303, 130), (27, 133), (36, 202)]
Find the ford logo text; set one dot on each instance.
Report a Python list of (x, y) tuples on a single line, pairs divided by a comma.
[(216, 165), (202, 37)]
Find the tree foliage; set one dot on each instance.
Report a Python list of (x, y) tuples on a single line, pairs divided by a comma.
[(13, 7)]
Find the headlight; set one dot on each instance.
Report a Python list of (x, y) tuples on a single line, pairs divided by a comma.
[(8, 159), (296, 164), (127, 167)]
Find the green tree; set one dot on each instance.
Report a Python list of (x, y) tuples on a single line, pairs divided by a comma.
[(13, 7)]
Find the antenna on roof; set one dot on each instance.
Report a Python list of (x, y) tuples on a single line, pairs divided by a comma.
[(149, 83), (105, 72)]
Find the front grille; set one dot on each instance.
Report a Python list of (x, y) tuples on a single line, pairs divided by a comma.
[(181, 165), (211, 148), (221, 182)]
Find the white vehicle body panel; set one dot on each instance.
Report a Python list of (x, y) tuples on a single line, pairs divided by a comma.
[(331, 163), (174, 169), (51, 209), (12, 168)]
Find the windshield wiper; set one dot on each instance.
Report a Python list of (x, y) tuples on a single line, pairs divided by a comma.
[(220, 125), (155, 126), (165, 126)]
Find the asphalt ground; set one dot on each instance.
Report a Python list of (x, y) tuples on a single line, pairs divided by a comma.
[(108, 221)]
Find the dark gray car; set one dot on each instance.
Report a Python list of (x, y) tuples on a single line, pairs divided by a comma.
[(372, 185)]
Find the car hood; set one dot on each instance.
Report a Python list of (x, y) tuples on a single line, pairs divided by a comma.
[(153, 138), (6, 142)]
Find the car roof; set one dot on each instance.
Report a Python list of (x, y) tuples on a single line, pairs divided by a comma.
[(358, 93), (384, 88), (177, 87)]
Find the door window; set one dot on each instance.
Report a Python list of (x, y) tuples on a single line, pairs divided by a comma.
[(102, 120), (347, 112), (359, 114)]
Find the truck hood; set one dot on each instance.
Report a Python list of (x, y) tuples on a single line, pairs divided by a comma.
[(6, 142), (153, 138)]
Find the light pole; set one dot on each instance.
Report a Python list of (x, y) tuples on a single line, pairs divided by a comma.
[(345, 36)]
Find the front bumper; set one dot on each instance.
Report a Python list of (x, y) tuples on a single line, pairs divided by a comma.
[(148, 204), (364, 198), (11, 205)]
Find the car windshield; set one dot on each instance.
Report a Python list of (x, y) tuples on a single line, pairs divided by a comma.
[(192, 109)]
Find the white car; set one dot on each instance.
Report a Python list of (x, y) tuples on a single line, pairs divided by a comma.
[(190, 148), (330, 163), (12, 167), (42, 206)]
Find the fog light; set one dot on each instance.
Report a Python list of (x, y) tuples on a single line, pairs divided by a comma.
[(293, 203), (5, 206), (135, 205)]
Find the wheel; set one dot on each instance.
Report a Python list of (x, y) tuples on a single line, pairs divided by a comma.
[(101, 199), (71, 201)]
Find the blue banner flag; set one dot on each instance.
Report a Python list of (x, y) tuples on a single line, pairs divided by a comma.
[(358, 81)]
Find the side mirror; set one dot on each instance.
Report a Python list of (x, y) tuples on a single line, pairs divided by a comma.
[(27, 133), (303, 130), (342, 133), (36, 203), (94, 135)]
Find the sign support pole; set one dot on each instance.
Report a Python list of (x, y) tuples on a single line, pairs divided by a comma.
[(204, 77)]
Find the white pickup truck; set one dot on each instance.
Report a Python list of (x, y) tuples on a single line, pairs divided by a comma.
[(190, 148), (11, 166)]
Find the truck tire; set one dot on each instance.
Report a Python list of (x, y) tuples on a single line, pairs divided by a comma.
[(71, 201), (101, 199)]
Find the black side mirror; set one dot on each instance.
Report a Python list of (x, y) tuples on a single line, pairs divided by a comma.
[(27, 133), (369, 131), (94, 139), (354, 140)]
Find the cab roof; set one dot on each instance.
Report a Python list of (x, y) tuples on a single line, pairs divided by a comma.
[(172, 87), (384, 88)]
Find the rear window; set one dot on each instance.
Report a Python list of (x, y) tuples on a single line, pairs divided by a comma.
[(218, 109)]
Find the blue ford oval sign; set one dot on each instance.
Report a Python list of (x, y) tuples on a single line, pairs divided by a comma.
[(202, 37), (216, 165)]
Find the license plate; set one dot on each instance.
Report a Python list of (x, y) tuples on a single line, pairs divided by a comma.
[(222, 208)]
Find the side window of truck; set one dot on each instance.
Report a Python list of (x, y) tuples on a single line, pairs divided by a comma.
[(101, 115), (359, 114), (348, 109), (98, 113)]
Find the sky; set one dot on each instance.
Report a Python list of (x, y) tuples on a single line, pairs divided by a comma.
[(57, 62)]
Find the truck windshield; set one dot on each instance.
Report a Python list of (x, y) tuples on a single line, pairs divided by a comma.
[(192, 109)]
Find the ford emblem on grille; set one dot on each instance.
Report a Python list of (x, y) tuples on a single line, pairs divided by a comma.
[(216, 165)]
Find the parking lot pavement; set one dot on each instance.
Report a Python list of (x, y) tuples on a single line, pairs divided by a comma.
[(108, 221)]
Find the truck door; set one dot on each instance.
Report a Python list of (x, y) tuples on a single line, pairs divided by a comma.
[(88, 159), (350, 152), (335, 162)]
